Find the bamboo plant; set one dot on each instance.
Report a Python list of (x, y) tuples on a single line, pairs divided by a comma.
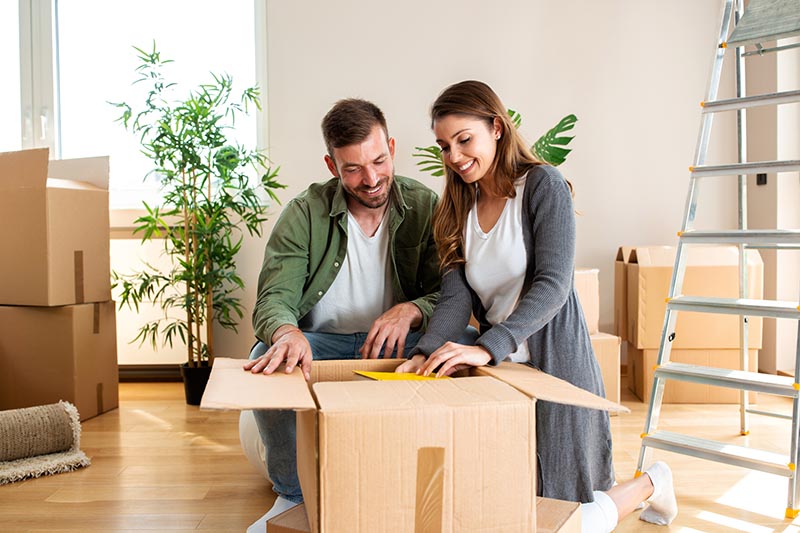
[(208, 200)]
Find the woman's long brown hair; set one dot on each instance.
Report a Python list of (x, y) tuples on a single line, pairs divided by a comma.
[(512, 160)]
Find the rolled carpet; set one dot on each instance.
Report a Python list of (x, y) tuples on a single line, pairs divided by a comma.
[(38, 441)]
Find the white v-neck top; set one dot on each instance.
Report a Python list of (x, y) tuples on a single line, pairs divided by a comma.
[(496, 263), (362, 290)]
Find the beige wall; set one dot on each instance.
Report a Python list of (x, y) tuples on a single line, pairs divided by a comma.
[(633, 71)]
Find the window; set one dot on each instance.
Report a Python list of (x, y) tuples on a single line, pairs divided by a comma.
[(11, 131), (94, 62)]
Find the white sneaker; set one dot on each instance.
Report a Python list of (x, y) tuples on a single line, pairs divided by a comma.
[(281, 504)]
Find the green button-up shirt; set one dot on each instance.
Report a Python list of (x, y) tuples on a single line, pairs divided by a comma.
[(309, 242)]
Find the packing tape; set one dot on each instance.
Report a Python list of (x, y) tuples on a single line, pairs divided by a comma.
[(430, 490), (100, 399), (78, 258), (96, 319)]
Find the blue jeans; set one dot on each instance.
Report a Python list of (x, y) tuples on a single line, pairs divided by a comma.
[(277, 428)]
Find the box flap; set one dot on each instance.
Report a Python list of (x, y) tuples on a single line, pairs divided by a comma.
[(386, 395), (653, 255), (24, 169), (542, 386), (92, 170), (624, 254), (231, 387)]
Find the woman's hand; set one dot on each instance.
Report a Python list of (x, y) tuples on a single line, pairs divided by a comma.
[(412, 365), (453, 357)]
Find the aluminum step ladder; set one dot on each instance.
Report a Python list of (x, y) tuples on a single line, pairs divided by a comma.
[(762, 21)]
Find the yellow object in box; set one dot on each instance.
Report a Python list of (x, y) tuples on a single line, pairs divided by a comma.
[(394, 376)]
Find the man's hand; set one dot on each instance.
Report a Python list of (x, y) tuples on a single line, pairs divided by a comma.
[(453, 357), (390, 330), (288, 344)]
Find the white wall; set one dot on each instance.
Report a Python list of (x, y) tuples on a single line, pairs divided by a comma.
[(633, 72)]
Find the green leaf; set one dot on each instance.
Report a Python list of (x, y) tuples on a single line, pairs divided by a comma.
[(516, 118), (547, 147)]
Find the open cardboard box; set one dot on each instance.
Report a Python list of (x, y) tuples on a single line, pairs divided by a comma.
[(56, 251), (398, 456)]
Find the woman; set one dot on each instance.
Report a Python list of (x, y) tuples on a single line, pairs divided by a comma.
[(505, 233)]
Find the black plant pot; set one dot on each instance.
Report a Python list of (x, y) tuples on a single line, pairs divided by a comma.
[(194, 381)]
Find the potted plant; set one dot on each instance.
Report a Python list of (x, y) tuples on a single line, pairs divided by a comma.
[(208, 201)]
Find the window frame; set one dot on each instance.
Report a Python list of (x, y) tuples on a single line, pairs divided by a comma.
[(39, 77)]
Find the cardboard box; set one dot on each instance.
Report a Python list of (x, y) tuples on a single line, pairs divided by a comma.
[(587, 285), (552, 516), (606, 350), (452, 442), (67, 353), (621, 291), (56, 251), (711, 271), (642, 365)]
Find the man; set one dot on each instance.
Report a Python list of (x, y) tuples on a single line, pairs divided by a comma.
[(350, 270)]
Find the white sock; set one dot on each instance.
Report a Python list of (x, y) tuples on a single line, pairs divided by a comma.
[(663, 508), (281, 504)]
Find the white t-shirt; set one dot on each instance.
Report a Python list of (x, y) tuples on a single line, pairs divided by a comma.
[(362, 290), (497, 262)]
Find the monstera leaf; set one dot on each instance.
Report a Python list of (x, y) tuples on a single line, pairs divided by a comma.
[(549, 148)]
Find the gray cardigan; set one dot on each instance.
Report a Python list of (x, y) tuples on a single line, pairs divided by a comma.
[(574, 443)]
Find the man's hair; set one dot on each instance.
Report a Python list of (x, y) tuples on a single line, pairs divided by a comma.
[(350, 121)]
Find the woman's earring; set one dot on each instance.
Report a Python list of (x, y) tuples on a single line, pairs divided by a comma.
[(498, 137)]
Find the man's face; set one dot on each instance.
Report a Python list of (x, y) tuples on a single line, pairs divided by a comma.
[(366, 169)]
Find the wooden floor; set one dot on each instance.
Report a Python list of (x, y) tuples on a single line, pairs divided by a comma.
[(160, 465)]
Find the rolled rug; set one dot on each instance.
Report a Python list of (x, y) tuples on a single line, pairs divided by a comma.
[(37, 441)]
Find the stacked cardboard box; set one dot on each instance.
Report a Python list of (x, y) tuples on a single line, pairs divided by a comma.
[(57, 326), (641, 286), (454, 442), (606, 347)]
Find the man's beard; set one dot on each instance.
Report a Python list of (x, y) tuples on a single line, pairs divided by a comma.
[(375, 202)]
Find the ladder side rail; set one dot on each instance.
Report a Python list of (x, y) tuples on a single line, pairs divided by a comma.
[(793, 499), (741, 142), (713, 83)]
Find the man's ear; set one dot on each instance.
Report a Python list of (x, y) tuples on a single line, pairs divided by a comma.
[(331, 164), (391, 146)]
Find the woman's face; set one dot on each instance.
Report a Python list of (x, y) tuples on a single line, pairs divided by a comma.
[(468, 144)]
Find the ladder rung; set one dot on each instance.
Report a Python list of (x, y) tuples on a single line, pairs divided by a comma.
[(751, 101), (735, 306), (736, 169), (720, 452), (751, 237), (732, 379), (769, 413)]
